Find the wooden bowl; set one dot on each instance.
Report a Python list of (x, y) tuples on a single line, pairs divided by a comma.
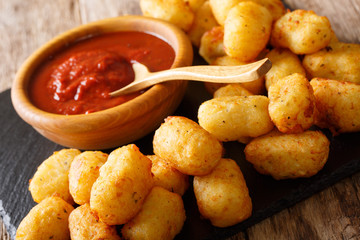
[(115, 126)]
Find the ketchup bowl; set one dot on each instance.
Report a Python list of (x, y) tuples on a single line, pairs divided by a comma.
[(102, 125)]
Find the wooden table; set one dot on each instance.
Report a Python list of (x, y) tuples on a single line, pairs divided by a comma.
[(331, 214)]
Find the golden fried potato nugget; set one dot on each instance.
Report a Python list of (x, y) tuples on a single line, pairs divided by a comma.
[(234, 89), (52, 176), (221, 9), (285, 156), (84, 170), (232, 118), (247, 30), (187, 146), (338, 105), (222, 196), (195, 4), (204, 21), (302, 31), (275, 7), (257, 86), (120, 190), (211, 44), (292, 104), (47, 220), (161, 217), (167, 176), (338, 61), (284, 63), (177, 12), (228, 61), (85, 225)]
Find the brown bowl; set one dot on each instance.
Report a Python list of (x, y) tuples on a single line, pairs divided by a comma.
[(115, 126)]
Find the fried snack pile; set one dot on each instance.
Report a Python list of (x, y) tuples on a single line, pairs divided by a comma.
[(314, 81), (127, 195), (121, 195)]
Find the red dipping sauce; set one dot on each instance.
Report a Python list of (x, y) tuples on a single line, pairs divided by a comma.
[(79, 79)]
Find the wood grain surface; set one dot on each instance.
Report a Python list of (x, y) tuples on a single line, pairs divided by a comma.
[(331, 214)]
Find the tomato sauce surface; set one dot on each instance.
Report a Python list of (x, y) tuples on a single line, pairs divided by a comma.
[(79, 79)]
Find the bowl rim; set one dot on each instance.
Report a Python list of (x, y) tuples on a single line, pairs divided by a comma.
[(39, 118)]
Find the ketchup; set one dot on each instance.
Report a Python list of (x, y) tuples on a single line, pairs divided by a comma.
[(78, 79)]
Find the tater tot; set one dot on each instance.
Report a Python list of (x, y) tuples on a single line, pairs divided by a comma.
[(204, 21), (85, 224), (233, 89), (221, 9), (222, 196), (176, 12), (195, 4), (338, 61), (302, 31), (285, 156), (47, 220), (120, 190), (187, 146), (232, 118), (247, 30), (84, 170), (161, 217), (52, 176), (211, 44), (168, 177), (284, 63), (256, 87), (338, 105), (275, 7), (292, 104)]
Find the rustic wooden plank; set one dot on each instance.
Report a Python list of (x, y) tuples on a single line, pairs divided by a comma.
[(344, 15), (26, 25), (92, 10), (36, 22), (331, 214), (4, 235)]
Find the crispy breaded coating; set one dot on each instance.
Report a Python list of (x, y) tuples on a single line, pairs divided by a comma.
[(302, 31), (161, 217), (47, 220), (52, 176), (292, 104), (84, 171), (338, 105), (125, 180), (167, 176), (212, 45), (284, 63), (338, 61), (285, 156), (232, 118), (84, 224), (222, 196), (187, 146), (204, 21), (247, 30), (177, 12)]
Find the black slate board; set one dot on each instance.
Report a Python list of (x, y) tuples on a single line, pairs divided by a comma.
[(23, 149)]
